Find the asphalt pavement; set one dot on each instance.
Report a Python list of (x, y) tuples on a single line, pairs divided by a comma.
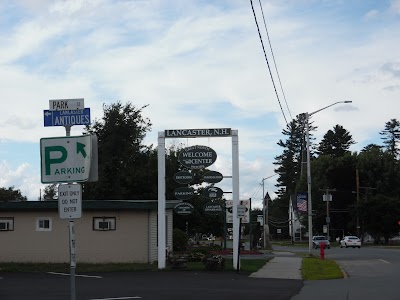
[(372, 275)]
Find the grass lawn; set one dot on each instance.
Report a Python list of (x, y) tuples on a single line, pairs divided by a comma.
[(319, 269)]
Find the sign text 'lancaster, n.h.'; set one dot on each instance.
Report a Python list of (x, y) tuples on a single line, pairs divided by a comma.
[(184, 133)]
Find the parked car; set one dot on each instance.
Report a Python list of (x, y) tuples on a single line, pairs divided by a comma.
[(350, 241), (318, 239)]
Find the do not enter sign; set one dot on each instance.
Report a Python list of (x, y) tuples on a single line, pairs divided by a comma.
[(70, 201)]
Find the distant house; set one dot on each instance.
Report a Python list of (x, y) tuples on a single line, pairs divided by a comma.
[(294, 221), (110, 231)]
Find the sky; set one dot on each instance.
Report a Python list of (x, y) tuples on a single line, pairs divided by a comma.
[(198, 64)]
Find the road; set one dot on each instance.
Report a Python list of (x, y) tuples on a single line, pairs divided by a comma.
[(146, 285), (373, 272)]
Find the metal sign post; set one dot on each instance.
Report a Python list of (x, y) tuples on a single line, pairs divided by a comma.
[(72, 257), (69, 159), (70, 208)]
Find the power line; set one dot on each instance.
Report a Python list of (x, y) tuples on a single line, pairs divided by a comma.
[(273, 57), (266, 59)]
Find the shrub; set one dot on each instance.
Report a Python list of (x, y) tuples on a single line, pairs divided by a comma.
[(195, 256), (203, 250), (215, 247), (180, 239), (214, 263), (177, 261)]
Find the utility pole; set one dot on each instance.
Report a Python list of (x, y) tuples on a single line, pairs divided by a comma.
[(266, 198), (358, 202), (367, 191), (328, 198)]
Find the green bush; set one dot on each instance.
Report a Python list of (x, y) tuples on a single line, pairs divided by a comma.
[(180, 239), (204, 250), (215, 247), (214, 263), (195, 256)]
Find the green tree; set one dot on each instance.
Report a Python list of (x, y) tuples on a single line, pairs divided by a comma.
[(10, 194), (336, 142), (338, 173), (127, 167), (50, 192), (378, 169), (290, 162), (391, 136), (380, 215), (291, 165)]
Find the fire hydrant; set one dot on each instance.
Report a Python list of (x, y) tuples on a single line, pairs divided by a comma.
[(322, 250)]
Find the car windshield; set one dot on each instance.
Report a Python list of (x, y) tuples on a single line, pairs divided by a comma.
[(353, 238), (319, 238)]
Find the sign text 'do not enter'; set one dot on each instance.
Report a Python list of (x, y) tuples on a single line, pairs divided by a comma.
[(70, 201)]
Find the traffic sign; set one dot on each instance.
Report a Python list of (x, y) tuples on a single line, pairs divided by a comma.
[(70, 201), (229, 211), (66, 104), (66, 159), (66, 117), (241, 211)]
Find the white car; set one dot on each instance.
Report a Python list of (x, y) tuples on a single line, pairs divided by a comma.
[(319, 239), (350, 241)]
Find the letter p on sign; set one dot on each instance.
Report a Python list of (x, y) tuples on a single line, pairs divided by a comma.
[(54, 155)]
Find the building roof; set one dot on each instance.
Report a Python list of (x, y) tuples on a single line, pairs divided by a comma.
[(87, 205)]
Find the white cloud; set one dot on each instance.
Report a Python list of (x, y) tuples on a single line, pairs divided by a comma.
[(198, 65), (21, 179), (373, 13), (395, 6)]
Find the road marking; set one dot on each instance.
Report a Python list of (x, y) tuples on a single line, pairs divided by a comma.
[(385, 261), (120, 298), (67, 274)]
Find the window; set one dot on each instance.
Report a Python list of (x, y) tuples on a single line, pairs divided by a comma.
[(104, 223), (43, 224), (6, 224)]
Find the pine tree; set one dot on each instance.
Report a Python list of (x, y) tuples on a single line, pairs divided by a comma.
[(391, 136), (336, 142), (290, 162)]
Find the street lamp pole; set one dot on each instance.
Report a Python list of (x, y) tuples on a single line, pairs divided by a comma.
[(266, 242), (309, 202)]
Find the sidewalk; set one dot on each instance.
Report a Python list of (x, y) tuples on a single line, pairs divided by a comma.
[(287, 266)]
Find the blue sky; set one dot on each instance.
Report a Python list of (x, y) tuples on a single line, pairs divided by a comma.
[(197, 64)]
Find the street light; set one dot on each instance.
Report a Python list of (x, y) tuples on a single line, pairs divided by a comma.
[(266, 242), (309, 203)]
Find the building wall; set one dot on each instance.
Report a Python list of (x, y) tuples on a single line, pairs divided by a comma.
[(153, 238), (128, 243)]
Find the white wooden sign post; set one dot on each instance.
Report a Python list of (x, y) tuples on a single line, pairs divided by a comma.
[(193, 133)]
